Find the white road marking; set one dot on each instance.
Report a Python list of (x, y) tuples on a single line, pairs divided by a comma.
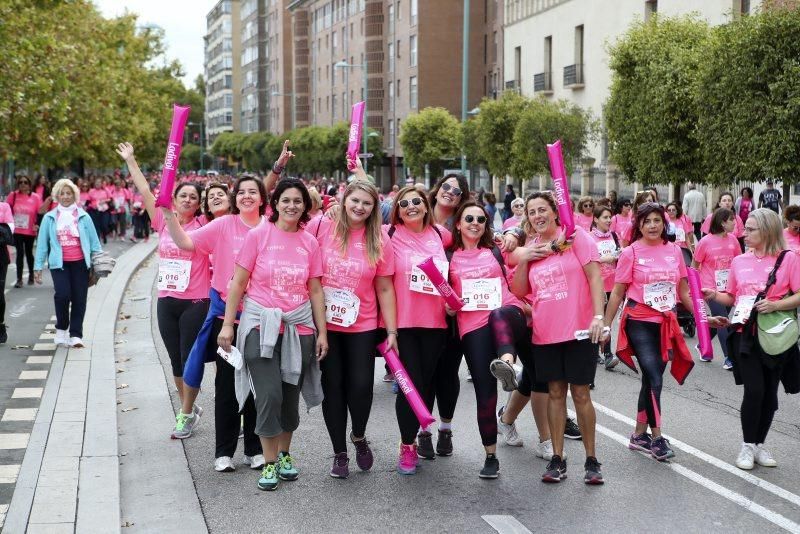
[(47, 335), (3, 511), (33, 375), (8, 474), (14, 441), (20, 414), (44, 346), (39, 359), (505, 524), (27, 393), (50, 326), (22, 308)]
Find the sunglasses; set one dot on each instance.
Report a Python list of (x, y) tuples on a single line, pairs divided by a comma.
[(450, 189), (469, 219), (517, 205), (415, 201)]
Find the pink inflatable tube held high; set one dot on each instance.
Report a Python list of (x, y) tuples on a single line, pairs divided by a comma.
[(429, 268), (407, 386), (356, 126), (561, 188), (700, 316), (180, 114)]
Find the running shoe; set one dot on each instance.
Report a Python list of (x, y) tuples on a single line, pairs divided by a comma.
[(340, 467), (184, 425), (491, 467), (509, 431), (62, 338), (611, 361), (505, 373), (407, 460), (660, 449), (640, 442), (571, 430), (197, 410), (593, 475), (395, 388), (269, 478), (600, 358), (764, 458), (364, 458), (388, 377), (425, 446), (728, 365), (76, 343), (556, 470), (545, 451), (19, 283), (255, 462), (444, 443), (747, 456), (286, 469), (224, 464)]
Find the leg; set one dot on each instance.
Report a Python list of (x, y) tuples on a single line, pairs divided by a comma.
[(79, 285), (360, 378), (19, 246), (411, 356), (190, 321), (752, 372), (29, 239), (479, 349), (645, 339), (587, 418), (334, 405), (557, 414), (265, 376), (168, 311), (3, 274), (226, 407), (63, 291), (772, 378), (447, 384)]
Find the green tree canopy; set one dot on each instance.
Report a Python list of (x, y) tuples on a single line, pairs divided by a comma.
[(430, 137), (496, 124)]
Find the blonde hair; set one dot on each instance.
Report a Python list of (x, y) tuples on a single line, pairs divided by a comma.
[(394, 217), (61, 184), (372, 230), (316, 200), (771, 228)]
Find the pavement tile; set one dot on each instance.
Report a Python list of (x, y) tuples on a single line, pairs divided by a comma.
[(33, 375), (39, 359), (20, 414), (52, 528), (27, 393), (8, 473), (14, 441)]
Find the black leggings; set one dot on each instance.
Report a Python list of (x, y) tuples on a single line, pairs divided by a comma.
[(447, 384), (645, 340), (420, 351), (24, 246), (179, 321), (3, 274), (760, 399), (141, 225), (348, 373)]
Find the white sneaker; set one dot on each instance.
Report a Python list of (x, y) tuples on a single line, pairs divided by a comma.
[(76, 343), (763, 457), (509, 432), (255, 462), (544, 450), (746, 457), (224, 464), (62, 338)]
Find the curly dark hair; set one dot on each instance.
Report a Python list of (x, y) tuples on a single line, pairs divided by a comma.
[(642, 213), (283, 185)]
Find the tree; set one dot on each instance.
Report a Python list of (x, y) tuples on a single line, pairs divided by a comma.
[(430, 137), (651, 114), (470, 144), (497, 122)]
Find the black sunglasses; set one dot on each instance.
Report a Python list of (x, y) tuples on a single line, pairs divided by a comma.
[(415, 201), (469, 219), (450, 189)]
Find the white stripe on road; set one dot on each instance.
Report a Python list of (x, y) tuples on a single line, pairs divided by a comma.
[(39, 359), (19, 414), (27, 393), (506, 524), (14, 441), (9, 473)]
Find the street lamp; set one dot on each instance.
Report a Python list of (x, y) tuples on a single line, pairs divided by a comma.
[(363, 66), (294, 105), (202, 156)]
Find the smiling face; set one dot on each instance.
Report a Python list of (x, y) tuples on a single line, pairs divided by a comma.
[(412, 208), (470, 225), (652, 227), (518, 207), (291, 206), (446, 196), (587, 208), (187, 201), (359, 205), (248, 197), (66, 197), (541, 216), (219, 202), (603, 222)]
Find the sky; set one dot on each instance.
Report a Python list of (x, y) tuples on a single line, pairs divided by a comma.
[(183, 22)]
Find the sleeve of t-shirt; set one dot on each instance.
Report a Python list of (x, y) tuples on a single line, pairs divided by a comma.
[(793, 271), (585, 248), (5, 214), (206, 236), (681, 262), (314, 261), (385, 265), (249, 251), (761, 197), (624, 271), (730, 288), (700, 251)]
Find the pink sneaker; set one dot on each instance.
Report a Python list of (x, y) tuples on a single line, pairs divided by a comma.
[(407, 461)]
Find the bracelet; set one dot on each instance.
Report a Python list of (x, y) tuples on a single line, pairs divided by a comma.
[(277, 168), (554, 247), (598, 317), (392, 332)]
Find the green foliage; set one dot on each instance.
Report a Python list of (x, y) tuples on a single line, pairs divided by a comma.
[(430, 137), (497, 122), (652, 113)]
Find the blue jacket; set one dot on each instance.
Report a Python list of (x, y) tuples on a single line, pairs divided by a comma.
[(48, 246)]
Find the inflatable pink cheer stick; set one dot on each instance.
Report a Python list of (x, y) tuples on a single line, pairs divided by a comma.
[(356, 126), (700, 317), (180, 114), (429, 268), (561, 188), (406, 386)]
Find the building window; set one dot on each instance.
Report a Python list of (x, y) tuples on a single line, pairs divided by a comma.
[(414, 12), (333, 106), (391, 133), (391, 96), (412, 50), (333, 42), (391, 57), (650, 9), (391, 19), (399, 11), (412, 92), (744, 7)]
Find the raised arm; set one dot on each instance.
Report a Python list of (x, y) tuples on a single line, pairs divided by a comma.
[(176, 231), (125, 151), (283, 160)]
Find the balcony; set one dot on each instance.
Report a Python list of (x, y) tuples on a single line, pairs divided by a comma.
[(573, 76), (543, 83), (512, 85)]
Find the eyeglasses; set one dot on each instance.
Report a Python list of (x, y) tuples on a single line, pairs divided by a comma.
[(518, 205), (450, 189), (750, 230), (469, 219), (415, 201), (588, 205)]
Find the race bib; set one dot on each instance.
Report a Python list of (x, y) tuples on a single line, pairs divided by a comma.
[(660, 296), (606, 248), (741, 313), (174, 275), (721, 278), (22, 221), (482, 294), (341, 306), (419, 280), (680, 235)]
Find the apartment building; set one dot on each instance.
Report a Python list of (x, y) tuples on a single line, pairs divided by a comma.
[(223, 80)]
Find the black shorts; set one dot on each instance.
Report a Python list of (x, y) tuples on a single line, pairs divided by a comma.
[(530, 382), (572, 361)]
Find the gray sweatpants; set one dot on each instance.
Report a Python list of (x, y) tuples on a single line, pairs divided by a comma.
[(277, 403)]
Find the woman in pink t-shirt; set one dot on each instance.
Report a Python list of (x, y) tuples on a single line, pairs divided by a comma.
[(622, 221), (100, 208), (712, 258), (744, 204), (492, 323), (6, 218), (567, 293), (683, 229), (518, 210), (280, 267), (25, 207), (358, 266), (121, 197), (422, 329), (184, 278), (759, 372), (725, 201), (791, 234), (608, 249), (584, 215)]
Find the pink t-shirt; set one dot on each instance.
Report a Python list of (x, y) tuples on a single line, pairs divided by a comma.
[(25, 209), (352, 272), (748, 276), (605, 246), (714, 255), (562, 298), (98, 198), (199, 272), (477, 264), (583, 221), (745, 207), (683, 227), (622, 226), (6, 216), (652, 273), (221, 240), (121, 196), (792, 241), (511, 222), (68, 237), (415, 309), (85, 200), (738, 230), (280, 264)]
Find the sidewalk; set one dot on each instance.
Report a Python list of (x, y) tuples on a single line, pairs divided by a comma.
[(69, 480)]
